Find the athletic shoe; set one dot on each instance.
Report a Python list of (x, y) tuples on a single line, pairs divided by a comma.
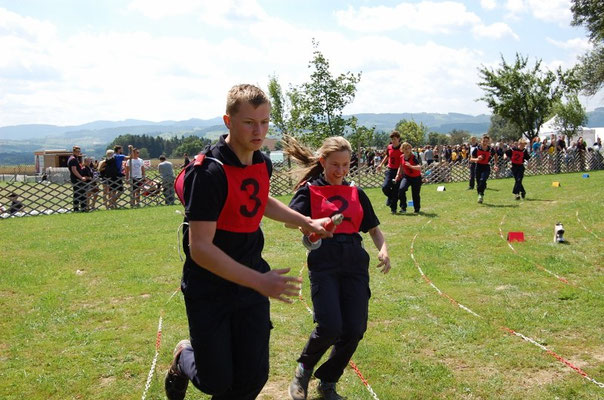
[(416, 211), (523, 194), (176, 382), (480, 197), (298, 389), (470, 188), (327, 390), (403, 210), (517, 197)]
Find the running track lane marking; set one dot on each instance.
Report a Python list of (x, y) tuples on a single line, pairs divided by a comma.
[(511, 331), (541, 267), (157, 347), (584, 227), (351, 363)]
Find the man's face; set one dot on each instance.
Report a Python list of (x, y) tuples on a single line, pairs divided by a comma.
[(76, 151), (248, 127), (485, 142)]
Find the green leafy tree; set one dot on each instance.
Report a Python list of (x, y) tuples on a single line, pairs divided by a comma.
[(285, 110), (570, 116), (360, 136), (190, 145), (524, 95), (503, 130), (435, 138), (590, 13), (458, 136), (319, 103), (412, 132), (144, 153), (380, 139)]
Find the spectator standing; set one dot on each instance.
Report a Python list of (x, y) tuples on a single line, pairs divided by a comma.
[(92, 185), (78, 181), (429, 155), (166, 172), (119, 161), (112, 181), (135, 174), (186, 160)]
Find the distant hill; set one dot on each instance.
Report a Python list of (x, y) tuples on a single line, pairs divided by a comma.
[(94, 136), (596, 118)]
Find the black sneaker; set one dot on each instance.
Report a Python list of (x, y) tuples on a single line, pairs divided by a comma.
[(176, 382), (298, 389), (523, 194), (327, 390)]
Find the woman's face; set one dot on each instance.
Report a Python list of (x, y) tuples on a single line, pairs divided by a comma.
[(336, 166)]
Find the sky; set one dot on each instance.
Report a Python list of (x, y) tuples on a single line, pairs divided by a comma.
[(68, 62)]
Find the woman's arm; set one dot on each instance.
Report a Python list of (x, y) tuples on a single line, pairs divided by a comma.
[(380, 244)]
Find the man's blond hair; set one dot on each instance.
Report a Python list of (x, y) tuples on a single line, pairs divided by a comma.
[(245, 93)]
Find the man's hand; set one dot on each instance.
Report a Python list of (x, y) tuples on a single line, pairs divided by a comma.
[(277, 285), (318, 226)]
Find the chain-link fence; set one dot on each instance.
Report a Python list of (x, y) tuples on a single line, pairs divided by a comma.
[(23, 195)]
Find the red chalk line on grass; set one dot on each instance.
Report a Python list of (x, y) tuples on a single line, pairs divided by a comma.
[(586, 228), (351, 363), (511, 331), (541, 267), (158, 338)]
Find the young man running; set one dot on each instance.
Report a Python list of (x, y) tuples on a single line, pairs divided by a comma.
[(226, 282), (482, 156), (518, 155), (393, 158)]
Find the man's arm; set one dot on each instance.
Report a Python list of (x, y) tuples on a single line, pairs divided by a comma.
[(76, 173), (293, 219), (206, 254)]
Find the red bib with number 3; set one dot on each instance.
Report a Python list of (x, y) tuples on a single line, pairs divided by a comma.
[(327, 201), (246, 198)]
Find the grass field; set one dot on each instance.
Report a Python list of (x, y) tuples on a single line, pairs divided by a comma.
[(82, 295)]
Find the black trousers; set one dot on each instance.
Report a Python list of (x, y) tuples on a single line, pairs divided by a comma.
[(482, 175), (472, 175), (340, 295), (79, 196), (390, 188), (416, 185), (229, 359), (518, 173)]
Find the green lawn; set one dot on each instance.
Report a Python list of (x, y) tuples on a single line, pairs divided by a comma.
[(91, 334)]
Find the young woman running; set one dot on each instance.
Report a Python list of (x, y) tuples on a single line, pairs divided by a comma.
[(338, 269)]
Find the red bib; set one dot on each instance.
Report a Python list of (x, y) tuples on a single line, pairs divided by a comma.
[(517, 156), (326, 201), (486, 156), (246, 198), (394, 156), (410, 172)]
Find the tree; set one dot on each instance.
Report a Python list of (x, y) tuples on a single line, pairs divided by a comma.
[(590, 13), (435, 138), (412, 132), (502, 129), (360, 136), (190, 145), (524, 95), (380, 139), (320, 102), (570, 116), (285, 111), (458, 136)]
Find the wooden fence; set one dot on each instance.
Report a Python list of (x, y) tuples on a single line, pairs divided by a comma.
[(25, 195)]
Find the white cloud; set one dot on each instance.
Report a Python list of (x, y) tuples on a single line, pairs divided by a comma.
[(577, 44), (426, 16), (557, 11), (488, 4), (225, 13), (497, 30)]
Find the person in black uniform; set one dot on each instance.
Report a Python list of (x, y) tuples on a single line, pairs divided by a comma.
[(78, 181), (338, 269), (518, 155), (393, 161), (472, 165), (482, 156), (226, 282), (409, 174)]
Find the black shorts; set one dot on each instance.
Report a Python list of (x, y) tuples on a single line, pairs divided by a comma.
[(137, 183)]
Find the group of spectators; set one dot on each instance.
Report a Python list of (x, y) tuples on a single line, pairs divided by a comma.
[(112, 173), (554, 146)]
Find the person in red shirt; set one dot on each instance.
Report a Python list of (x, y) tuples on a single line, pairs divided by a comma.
[(339, 268), (226, 283), (409, 174), (393, 160), (518, 155), (482, 156)]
